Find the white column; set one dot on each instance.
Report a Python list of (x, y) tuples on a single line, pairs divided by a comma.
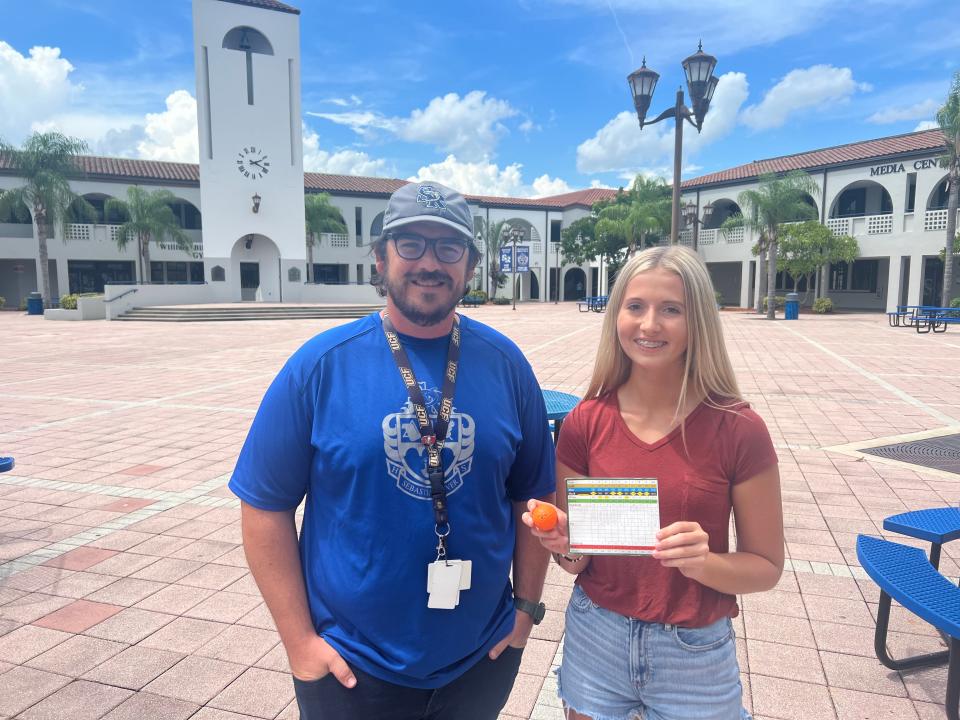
[(893, 283), (914, 294), (745, 283)]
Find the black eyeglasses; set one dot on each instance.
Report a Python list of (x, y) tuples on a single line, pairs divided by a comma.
[(411, 246)]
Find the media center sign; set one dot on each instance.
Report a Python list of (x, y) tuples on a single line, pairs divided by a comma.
[(523, 259), (890, 168)]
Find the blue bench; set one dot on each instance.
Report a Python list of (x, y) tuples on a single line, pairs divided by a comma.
[(596, 303), (471, 301), (6, 464), (903, 574), (926, 318)]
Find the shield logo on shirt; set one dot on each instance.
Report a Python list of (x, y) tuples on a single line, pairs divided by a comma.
[(406, 455)]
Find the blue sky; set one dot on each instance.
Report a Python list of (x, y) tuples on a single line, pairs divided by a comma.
[(513, 98)]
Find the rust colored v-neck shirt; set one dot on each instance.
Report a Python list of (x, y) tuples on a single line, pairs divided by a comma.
[(724, 448)]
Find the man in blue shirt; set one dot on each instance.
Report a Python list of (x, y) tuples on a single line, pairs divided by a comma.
[(416, 438)]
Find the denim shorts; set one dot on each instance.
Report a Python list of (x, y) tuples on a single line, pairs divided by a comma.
[(619, 668)]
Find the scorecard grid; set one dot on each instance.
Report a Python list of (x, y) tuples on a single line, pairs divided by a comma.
[(613, 516)]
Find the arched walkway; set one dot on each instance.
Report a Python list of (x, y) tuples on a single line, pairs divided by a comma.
[(722, 209), (255, 269), (864, 197), (574, 284)]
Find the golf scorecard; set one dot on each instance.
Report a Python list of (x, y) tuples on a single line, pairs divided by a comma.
[(612, 516)]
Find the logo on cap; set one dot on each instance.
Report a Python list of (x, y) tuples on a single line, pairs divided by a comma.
[(429, 196)]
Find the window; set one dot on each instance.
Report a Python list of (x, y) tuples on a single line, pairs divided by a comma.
[(555, 230), (176, 272), (293, 274), (358, 225), (911, 192), (188, 217), (217, 274), (864, 275), (329, 273), (359, 274), (838, 276), (852, 202)]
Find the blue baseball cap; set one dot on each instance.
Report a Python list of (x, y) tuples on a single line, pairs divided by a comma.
[(428, 202)]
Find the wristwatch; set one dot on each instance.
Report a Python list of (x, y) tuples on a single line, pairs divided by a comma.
[(534, 610)]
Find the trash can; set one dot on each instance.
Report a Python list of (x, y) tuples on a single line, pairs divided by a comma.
[(791, 310), (34, 304)]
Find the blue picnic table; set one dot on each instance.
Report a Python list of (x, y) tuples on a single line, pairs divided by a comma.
[(559, 404), (6, 464), (935, 525)]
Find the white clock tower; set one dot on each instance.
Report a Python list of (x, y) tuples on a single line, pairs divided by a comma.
[(251, 156)]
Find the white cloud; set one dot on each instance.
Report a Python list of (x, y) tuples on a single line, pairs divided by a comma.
[(172, 134), (487, 178), (910, 112), (32, 87), (545, 186), (340, 162), (802, 89), (926, 125), (469, 126), (621, 146)]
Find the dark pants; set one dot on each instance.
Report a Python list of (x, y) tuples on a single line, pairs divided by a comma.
[(478, 694)]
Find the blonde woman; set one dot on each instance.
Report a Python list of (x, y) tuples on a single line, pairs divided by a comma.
[(650, 637)]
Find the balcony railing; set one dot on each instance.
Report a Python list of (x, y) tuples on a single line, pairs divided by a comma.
[(707, 237), (733, 235), (879, 224), (685, 237), (937, 219), (333, 240)]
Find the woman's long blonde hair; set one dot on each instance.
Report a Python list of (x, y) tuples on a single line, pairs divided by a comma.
[(708, 372)]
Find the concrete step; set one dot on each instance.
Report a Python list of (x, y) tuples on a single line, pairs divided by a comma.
[(247, 312)]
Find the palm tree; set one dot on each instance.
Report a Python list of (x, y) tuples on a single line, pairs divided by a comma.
[(646, 212), (493, 237), (777, 200), (321, 217), (948, 118), (149, 219), (46, 161)]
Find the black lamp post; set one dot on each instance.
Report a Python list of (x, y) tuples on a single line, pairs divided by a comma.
[(701, 84), (515, 234), (690, 218)]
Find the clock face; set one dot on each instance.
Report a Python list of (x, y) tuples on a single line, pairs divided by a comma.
[(253, 162)]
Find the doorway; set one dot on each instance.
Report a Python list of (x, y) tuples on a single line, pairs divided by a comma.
[(249, 280), (932, 281)]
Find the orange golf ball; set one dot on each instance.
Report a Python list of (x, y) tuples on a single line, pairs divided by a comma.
[(544, 517)]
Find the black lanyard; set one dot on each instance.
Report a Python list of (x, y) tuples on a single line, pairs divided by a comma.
[(431, 436)]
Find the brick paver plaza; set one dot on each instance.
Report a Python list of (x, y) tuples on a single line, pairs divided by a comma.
[(123, 587)]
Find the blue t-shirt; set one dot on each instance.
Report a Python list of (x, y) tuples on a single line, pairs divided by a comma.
[(336, 426)]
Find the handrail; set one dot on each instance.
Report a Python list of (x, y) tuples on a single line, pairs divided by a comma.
[(131, 290)]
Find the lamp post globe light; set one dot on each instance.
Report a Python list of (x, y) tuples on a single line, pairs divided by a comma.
[(690, 219), (701, 83)]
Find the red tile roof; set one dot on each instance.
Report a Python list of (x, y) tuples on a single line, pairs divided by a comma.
[(267, 5), (350, 184), (173, 173), (925, 140)]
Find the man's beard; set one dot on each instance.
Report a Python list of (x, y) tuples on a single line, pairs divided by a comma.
[(399, 291)]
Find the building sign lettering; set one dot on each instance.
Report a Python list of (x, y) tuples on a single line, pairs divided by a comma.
[(891, 168)]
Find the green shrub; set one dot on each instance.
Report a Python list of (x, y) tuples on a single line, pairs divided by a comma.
[(68, 302), (779, 302), (719, 296), (823, 305), (3, 301), (953, 303), (478, 294), (501, 301)]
